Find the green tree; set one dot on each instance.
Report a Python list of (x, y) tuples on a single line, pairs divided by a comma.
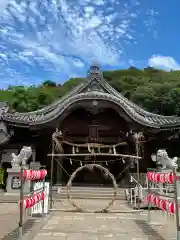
[(49, 83), (155, 90)]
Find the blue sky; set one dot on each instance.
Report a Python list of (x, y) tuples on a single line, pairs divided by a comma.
[(59, 39)]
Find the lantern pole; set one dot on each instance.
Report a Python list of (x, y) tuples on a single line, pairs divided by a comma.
[(138, 178), (176, 193)]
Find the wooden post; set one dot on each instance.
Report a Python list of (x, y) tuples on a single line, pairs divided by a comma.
[(21, 212), (138, 178), (51, 183), (176, 203), (149, 207)]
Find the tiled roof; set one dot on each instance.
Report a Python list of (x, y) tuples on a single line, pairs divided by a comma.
[(94, 88)]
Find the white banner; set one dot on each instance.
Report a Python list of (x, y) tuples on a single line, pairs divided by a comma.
[(38, 208)]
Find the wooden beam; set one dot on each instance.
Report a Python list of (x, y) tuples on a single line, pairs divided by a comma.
[(92, 154)]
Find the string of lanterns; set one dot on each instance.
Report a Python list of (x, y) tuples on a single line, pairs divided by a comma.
[(33, 200), (161, 177), (34, 174), (30, 174), (165, 205)]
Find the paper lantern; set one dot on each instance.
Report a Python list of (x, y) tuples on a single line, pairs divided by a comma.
[(170, 178), (28, 203), (171, 207), (153, 176), (159, 202), (35, 175), (161, 180), (164, 205), (167, 177), (38, 174), (25, 174), (31, 201), (158, 178), (36, 198), (30, 174), (154, 200), (148, 176), (148, 197), (25, 203), (43, 195)]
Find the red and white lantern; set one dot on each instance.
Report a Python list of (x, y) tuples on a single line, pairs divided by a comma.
[(148, 197), (34, 174), (158, 178), (164, 205), (42, 195), (159, 202), (162, 175), (171, 207)]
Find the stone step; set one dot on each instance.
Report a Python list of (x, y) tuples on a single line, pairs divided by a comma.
[(88, 193), (76, 193)]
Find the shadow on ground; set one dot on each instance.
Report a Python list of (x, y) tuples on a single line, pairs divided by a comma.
[(148, 230)]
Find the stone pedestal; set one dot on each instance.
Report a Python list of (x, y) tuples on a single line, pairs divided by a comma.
[(13, 182)]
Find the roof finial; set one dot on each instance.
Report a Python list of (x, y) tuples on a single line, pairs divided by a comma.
[(94, 68), (94, 72)]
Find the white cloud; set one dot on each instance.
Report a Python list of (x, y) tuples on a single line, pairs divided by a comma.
[(3, 5), (165, 62), (51, 36)]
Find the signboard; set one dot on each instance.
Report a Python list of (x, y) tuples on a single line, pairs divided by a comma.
[(15, 183)]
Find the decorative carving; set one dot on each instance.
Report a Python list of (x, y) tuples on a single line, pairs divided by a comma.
[(138, 139), (21, 159), (15, 183), (94, 73), (165, 161)]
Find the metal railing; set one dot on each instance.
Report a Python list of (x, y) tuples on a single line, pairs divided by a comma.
[(135, 194), (134, 197)]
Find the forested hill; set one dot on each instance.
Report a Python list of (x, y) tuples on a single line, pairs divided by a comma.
[(155, 90)]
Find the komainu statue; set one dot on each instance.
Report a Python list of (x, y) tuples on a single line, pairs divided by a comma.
[(164, 160), (22, 158)]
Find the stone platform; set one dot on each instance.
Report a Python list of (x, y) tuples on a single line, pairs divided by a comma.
[(120, 223)]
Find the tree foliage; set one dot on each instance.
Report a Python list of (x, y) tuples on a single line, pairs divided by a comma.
[(155, 90)]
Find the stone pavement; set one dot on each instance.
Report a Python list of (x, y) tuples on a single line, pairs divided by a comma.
[(9, 217), (68, 225)]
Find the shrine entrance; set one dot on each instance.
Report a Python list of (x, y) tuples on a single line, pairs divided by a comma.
[(89, 136)]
